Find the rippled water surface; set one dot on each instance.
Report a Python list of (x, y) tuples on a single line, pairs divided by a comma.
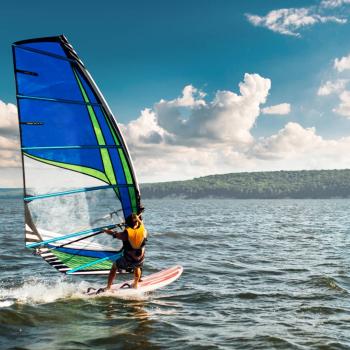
[(257, 275)]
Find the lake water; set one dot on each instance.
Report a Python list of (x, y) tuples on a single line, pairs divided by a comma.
[(258, 274)]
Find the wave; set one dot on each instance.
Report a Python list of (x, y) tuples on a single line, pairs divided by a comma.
[(327, 282)]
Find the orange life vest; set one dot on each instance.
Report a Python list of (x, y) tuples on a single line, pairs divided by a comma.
[(137, 236)]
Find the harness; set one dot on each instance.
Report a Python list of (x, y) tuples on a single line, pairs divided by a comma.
[(137, 239)]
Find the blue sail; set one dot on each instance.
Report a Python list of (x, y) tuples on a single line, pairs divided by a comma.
[(75, 160)]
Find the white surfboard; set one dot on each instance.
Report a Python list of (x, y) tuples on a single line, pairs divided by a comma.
[(148, 283)]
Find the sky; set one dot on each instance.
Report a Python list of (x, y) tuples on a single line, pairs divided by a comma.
[(201, 87)]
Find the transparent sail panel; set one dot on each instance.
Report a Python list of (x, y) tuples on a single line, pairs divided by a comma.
[(42, 179), (76, 212)]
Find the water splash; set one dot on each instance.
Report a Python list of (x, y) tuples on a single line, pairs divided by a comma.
[(36, 291), (40, 291)]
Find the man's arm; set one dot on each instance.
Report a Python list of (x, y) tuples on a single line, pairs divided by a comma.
[(139, 219), (119, 235), (109, 231)]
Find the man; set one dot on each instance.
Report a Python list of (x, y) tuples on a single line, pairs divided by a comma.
[(134, 240)]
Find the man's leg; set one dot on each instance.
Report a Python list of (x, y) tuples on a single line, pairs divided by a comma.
[(137, 276), (111, 276)]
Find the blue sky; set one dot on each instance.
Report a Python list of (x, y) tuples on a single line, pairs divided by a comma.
[(141, 52)]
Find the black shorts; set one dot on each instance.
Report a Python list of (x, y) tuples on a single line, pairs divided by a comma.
[(123, 263)]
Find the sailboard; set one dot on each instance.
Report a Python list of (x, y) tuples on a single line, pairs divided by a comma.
[(78, 175), (148, 283)]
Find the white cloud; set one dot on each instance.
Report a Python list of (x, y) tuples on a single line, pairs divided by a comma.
[(344, 106), (290, 21), (190, 120), (331, 87), (295, 147), (338, 87), (334, 3), (8, 119), (291, 140), (9, 159), (342, 64), (9, 145), (173, 142), (280, 109), (145, 129), (165, 162), (189, 136), (9, 152), (10, 177), (192, 135)]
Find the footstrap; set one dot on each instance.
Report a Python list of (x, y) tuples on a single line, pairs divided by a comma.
[(100, 290)]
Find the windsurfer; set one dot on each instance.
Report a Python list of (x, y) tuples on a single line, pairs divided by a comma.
[(134, 240)]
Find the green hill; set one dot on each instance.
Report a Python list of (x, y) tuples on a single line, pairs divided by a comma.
[(260, 185)]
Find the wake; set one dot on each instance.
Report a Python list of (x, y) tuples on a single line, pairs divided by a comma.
[(36, 291), (40, 291)]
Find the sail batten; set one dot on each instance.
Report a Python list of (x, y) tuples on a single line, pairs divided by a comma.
[(70, 235), (70, 147), (66, 193), (41, 52), (19, 96), (77, 170)]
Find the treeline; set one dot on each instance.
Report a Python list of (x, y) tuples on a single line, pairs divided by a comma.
[(259, 185)]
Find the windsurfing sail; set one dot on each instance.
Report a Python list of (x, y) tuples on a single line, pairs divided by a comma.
[(77, 172)]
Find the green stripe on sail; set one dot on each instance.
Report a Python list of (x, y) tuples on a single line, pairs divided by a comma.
[(73, 261), (116, 140), (79, 168), (125, 167), (132, 193), (125, 164), (107, 164)]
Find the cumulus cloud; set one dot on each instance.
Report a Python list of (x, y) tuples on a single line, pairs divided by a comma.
[(8, 120), (334, 3), (165, 162), (144, 129), (289, 21), (280, 109), (344, 105), (176, 140), (338, 86), (296, 147), (331, 87), (291, 148), (9, 144), (192, 135), (191, 120), (292, 139), (9, 159), (342, 64), (195, 135)]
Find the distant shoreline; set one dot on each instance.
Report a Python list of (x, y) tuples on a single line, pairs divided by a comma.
[(303, 184)]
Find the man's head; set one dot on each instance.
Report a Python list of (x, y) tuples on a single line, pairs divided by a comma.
[(131, 220)]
